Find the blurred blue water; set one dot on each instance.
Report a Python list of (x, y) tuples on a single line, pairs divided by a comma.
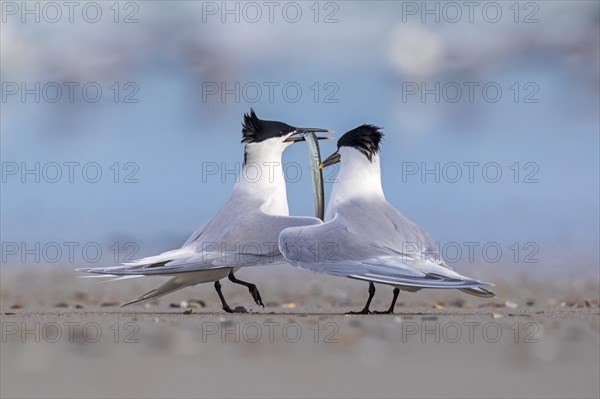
[(175, 127)]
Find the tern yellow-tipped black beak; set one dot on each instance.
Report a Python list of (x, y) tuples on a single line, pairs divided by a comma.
[(331, 160), (298, 134)]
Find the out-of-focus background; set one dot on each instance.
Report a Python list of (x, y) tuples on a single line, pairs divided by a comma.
[(121, 122), (120, 135)]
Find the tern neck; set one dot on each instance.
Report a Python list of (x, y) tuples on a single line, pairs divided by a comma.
[(358, 178), (262, 176)]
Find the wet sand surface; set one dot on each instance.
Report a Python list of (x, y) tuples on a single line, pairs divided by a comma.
[(68, 337)]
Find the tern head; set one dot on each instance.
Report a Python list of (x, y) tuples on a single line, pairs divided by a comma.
[(257, 131), (365, 139)]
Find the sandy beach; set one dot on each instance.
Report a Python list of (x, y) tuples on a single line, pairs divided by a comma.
[(68, 337), (160, 134)]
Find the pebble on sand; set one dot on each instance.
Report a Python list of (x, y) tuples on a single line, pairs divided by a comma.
[(196, 303), (81, 296), (458, 302), (355, 323), (510, 305)]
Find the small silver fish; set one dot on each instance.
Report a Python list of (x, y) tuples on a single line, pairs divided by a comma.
[(317, 173)]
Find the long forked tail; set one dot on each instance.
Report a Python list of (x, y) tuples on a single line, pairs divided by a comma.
[(478, 291), (174, 284), (182, 280), (185, 267)]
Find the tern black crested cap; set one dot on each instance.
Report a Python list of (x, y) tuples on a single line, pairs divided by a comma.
[(364, 138), (255, 130)]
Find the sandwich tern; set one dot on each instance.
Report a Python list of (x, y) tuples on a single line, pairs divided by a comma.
[(364, 237), (244, 232)]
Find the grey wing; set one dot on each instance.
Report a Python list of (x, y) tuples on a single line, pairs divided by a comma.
[(368, 246), (409, 231), (250, 239), (195, 235), (381, 226), (415, 247), (333, 248), (386, 225)]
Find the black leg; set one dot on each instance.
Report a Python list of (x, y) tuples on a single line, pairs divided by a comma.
[(371, 295), (251, 287), (393, 305), (222, 298)]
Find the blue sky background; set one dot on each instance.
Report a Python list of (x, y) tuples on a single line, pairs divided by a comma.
[(368, 57)]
